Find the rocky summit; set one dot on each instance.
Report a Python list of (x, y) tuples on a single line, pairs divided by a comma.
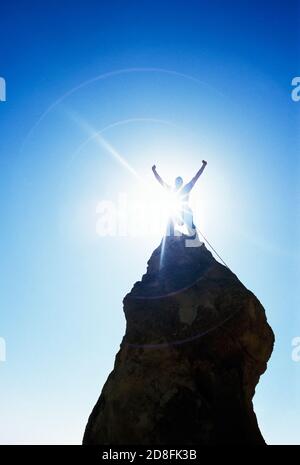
[(195, 346)]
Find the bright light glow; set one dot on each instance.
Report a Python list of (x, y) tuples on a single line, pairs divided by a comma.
[(173, 203), (156, 206), (142, 212), (150, 209)]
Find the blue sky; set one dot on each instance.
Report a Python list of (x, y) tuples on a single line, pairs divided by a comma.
[(176, 82)]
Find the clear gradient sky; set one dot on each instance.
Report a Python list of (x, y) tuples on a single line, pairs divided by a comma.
[(196, 79)]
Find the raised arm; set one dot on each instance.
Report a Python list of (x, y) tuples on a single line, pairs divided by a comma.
[(163, 183), (191, 184)]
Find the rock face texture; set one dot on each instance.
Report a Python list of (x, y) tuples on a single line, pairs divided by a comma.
[(196, 343)]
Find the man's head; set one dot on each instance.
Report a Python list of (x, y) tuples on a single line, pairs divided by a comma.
[(178, 182)]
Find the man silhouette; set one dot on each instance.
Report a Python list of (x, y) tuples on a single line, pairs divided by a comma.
[(184, 214)]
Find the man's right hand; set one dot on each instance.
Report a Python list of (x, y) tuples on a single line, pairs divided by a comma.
[(204, 162), (153, 167)]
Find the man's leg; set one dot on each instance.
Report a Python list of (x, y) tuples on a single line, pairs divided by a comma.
[(170, 227), (189, 221)]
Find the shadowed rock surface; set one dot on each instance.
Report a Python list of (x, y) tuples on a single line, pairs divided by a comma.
[(196, 343)]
